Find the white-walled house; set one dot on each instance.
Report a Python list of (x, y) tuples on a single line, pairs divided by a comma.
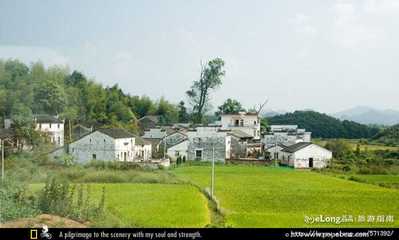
[(142, 149), (207, 142), (173, 138), (179, 149), (104, 144), (305, 155), (52, 126), (247, 122)]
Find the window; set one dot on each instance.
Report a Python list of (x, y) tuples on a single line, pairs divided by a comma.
[(254, 122), (40, 126), (236, 122), (90, 140), (59, 140), (50, 125), (58, 126), (198, 155), (242, 122), (73, 149)]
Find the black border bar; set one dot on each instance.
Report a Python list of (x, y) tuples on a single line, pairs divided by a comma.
[(196, 233)]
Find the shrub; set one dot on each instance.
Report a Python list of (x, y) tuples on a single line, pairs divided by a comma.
[(58, 197), (15, 201)]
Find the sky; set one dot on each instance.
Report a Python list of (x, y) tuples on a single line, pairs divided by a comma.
[(310, 54)]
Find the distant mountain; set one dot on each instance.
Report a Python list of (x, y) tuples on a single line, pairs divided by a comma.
[(388, 136), (272, 113), (325, 126), (368, 115)]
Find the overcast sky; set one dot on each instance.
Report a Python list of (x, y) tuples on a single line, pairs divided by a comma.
[(321, 55)]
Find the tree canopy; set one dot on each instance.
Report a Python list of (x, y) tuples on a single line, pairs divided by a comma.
[(324, 126), (230, 106), (199, 94), (56, 91)]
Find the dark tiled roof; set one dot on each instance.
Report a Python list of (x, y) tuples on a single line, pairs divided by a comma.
[(296, 147), (240, 134), (182, 140), (140, 140), (278, 144), (116, 132), (44, 118), (153, 118), (239, 113)]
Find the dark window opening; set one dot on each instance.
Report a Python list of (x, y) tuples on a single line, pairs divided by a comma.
[(198, 154)]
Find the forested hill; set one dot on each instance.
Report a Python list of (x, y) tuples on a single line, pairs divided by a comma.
[(25, 90), (388, 136), (324, 126)]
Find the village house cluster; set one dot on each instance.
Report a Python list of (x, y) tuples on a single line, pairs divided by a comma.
[(236, 137)]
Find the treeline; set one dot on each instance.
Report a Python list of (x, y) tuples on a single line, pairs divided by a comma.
[(27, 90), (324, 126), (388, 136)]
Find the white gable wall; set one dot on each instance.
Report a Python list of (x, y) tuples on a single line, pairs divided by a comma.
[(143, 152), (103, 147), (300, 159), (248, 123), (54, 130), (178, 150)]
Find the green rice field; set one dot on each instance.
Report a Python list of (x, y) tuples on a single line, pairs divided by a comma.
[(282, 197)]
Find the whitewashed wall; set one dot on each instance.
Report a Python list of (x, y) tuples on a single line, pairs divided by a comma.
[(320, 157), (143, 152), (180, 148), (251, 123), (54, 130), (300, 159), (203, 139), (103, 146)]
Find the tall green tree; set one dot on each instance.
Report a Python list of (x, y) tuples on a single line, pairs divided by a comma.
[(184, 117), (229, 106), (210, 79), (167, 112)]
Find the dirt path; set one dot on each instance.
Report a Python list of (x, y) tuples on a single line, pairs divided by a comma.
[(43, 219)]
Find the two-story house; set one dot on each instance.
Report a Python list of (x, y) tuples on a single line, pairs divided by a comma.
[(52, 126), (247, 122)]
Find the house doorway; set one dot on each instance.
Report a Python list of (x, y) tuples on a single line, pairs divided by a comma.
[(124, 156), (198, 155), (94, 156), (310, 162)]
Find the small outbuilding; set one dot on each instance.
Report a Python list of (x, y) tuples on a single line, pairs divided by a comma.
[(305, 155), (178, 150)]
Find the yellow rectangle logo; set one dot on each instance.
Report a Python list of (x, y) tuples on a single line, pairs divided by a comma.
[(33, 234)]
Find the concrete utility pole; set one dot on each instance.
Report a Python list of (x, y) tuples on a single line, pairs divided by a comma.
[(213, 169), (2, 159), (164, 148)]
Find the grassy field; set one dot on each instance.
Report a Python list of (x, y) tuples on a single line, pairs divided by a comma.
[(281, 197), (249, 196), (381, 180), (353, 143), (150, 205)]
